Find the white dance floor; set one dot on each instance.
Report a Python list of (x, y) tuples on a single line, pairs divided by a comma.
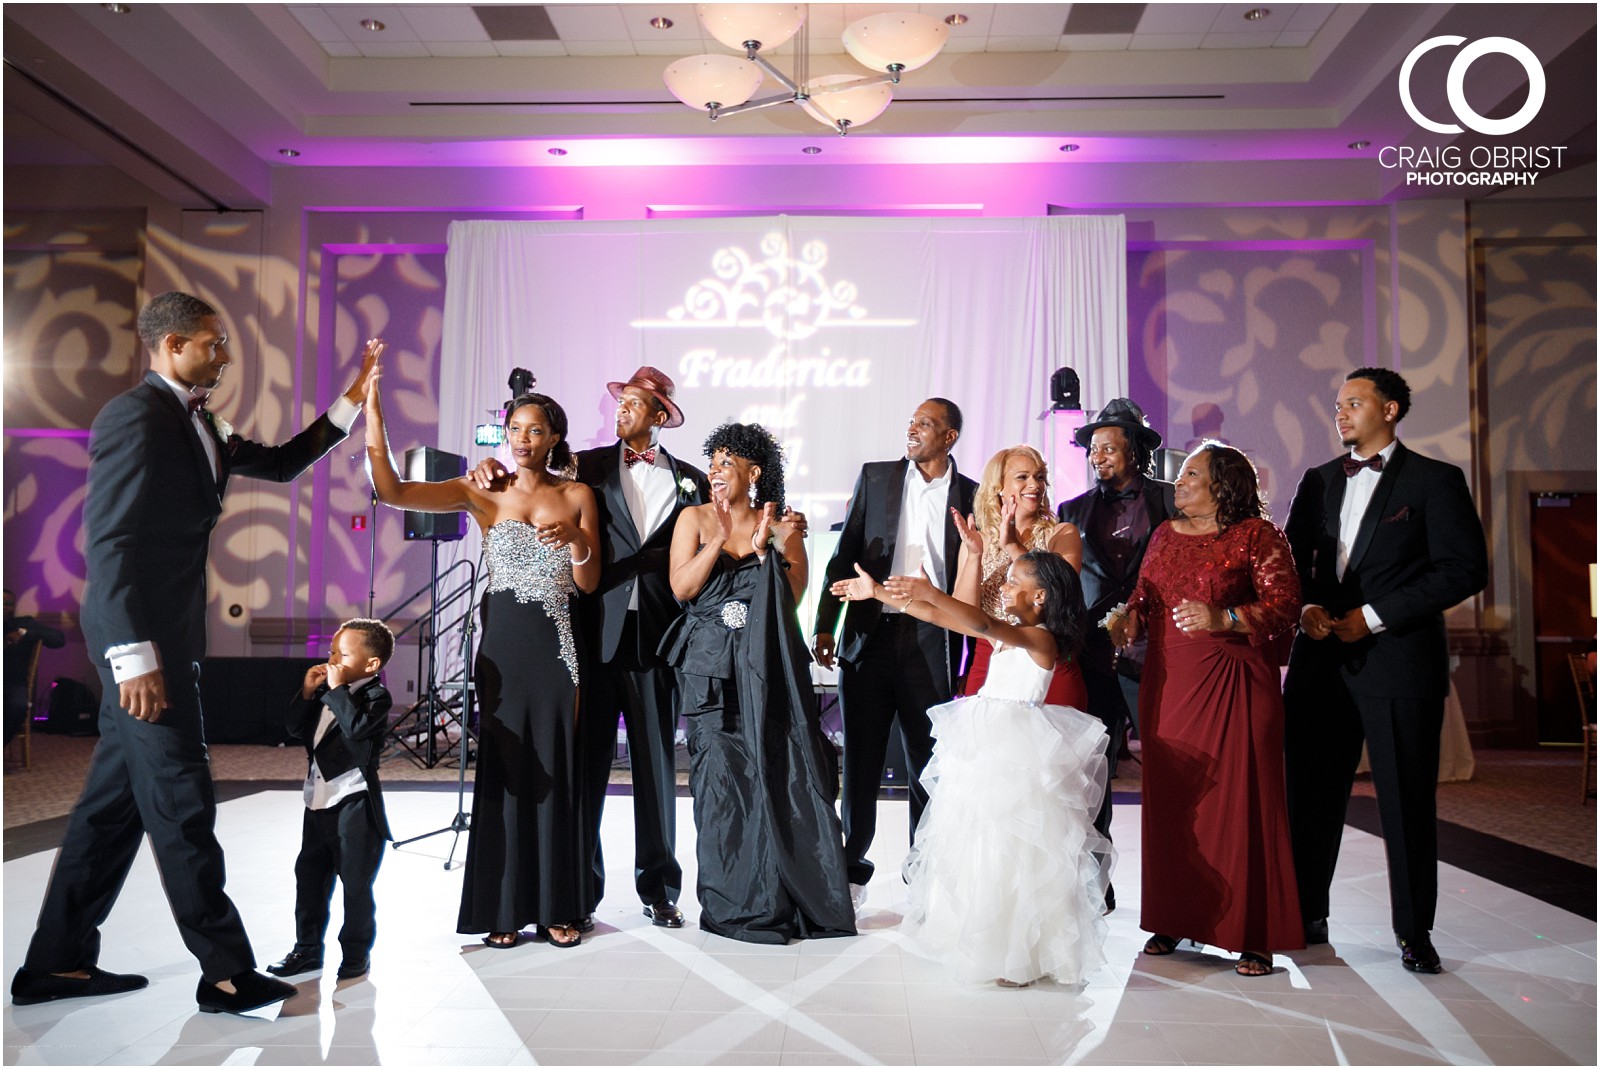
[(1519, 986)]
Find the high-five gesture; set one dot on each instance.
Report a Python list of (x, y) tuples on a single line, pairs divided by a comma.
[(360, 388)]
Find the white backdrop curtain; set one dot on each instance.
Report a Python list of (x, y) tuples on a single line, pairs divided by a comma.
[(827, 330)]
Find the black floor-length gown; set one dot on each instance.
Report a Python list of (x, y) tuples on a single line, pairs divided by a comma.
[(764, 779), (525, 855)]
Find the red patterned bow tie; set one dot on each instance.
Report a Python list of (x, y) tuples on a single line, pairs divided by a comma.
[(630, 458), (197, 402), (1352, 465)]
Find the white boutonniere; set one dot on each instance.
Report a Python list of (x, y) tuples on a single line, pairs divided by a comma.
[(686, 487), (223, 427)]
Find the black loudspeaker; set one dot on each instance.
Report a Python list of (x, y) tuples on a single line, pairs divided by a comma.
[(1064, 389), (426, 464)]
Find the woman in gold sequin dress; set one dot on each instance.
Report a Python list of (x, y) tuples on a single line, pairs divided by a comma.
[(1011, 516), (526, 863), (1217, 585)]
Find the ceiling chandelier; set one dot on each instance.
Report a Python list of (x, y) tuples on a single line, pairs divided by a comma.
[(891, 43)]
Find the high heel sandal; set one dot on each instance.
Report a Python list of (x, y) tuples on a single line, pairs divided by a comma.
[(1253, 964), (1160, 945)]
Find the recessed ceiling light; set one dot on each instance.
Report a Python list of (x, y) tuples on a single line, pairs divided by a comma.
[(811, 150), (556, 151), (117, 9), (1069, 147), (1359, 144), (289, 152), (957, 19), (661, 22), (372, 24), (1256, 14)]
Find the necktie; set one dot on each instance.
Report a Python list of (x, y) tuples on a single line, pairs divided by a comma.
[(630, 458), (1352, 465), (197, 402)]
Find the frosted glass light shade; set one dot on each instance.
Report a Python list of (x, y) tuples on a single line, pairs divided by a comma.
[(895, 40), (700, 81), (857, 106), (734, 24)]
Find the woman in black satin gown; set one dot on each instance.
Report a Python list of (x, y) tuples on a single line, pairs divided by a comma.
[(764, 779)]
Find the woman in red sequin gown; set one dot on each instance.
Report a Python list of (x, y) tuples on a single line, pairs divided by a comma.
[(1218, 584), (1011, 516)]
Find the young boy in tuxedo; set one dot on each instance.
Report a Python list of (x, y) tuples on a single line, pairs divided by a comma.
[(341, 713)]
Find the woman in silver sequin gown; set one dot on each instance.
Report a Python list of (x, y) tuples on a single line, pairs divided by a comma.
[(525, 858)]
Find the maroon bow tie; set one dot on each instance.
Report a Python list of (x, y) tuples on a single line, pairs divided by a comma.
[(630, 458), (197, 402), (1352, 465)]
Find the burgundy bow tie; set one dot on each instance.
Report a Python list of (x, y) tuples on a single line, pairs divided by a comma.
[(630, 458), (1352, 465), (197, 402)]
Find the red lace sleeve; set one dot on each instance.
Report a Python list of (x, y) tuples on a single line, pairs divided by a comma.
[(1277, 585)]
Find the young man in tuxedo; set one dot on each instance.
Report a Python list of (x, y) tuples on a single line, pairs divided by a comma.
[(641, 489), (1385, 541), (892, 666), (1115, 518), (341, 712), (158, 466)]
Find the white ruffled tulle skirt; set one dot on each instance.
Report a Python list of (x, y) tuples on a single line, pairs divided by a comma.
[(1008, 875)]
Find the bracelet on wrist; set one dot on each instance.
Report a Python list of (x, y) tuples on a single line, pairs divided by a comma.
[(1233, 619)]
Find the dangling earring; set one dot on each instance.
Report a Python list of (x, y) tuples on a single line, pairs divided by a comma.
[(752, 493)]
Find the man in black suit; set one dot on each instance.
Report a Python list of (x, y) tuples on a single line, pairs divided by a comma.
[(158, 466), (341, 712), (1115, 519), (641, 489), (1385, 541), (892, 666)]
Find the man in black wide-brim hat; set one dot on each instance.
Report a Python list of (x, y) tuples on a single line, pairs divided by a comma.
[(1115, 518)]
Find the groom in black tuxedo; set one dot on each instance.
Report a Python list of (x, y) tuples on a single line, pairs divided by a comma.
[(891, 665), (158, 466), (641, 489), (1385, 541)]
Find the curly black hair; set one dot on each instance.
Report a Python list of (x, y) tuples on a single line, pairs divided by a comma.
[(170, 313), (560, 458), (754, 443), (375, 634), (1391, 386), (1234, 485), (1065, 616)]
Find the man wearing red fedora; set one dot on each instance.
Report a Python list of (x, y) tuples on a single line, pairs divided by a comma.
[(641, 488)]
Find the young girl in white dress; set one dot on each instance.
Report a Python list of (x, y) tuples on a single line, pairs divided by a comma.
[(1008, 876)]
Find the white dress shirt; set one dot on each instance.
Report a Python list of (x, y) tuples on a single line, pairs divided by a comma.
[(132, 659), (919, 539), (1358, 492), (322, 793), (650, 493)]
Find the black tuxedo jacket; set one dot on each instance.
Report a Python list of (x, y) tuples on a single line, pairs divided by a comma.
[(630, 558), (867, 538), (353, 740), (153, 500), (1105, 585), (1419, 551)]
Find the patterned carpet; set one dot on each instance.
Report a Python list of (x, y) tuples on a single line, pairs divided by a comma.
[(1528, 797)]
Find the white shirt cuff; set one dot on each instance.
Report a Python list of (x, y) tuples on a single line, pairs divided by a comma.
[(132, 659), (1374, 624), (342, 413)]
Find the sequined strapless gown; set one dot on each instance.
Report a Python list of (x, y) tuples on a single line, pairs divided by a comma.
[(525, 854)]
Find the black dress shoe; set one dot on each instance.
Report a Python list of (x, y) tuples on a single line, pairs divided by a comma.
[(350, 969), (1111, 901), (665, 915), (295, 962), (30, 986), (251, 991), (586, 925), (1317, 932), (1418, 955)]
